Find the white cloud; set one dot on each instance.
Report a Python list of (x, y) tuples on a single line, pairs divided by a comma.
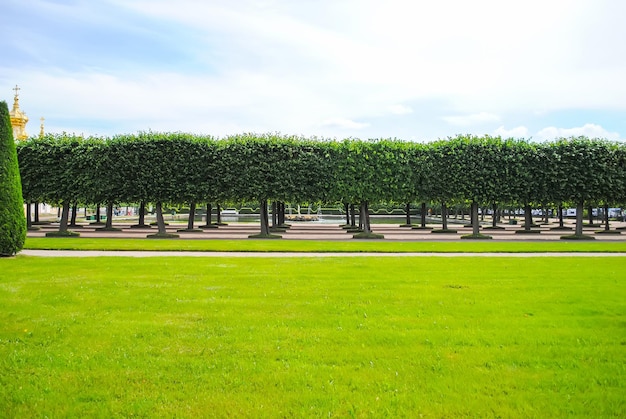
[(407, 55), (517, 132), (400, 110), (472, 119), (279, 65), (551, 133), (587, 130), (344, 123)]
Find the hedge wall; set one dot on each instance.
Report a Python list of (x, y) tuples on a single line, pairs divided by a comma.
[(183, 168)]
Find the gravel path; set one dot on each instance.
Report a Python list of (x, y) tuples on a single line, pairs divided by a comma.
[(320, 231), (138, 254), (328, 231)]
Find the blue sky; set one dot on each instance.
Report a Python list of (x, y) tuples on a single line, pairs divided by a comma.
[(415, 70)]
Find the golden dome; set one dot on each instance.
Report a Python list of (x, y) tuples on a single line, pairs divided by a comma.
[(18, 118)]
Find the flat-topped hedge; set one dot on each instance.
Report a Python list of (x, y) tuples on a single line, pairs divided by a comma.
[(182, 168)]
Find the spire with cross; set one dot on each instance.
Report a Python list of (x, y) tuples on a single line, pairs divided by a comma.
[(18, 118), (16, 98)]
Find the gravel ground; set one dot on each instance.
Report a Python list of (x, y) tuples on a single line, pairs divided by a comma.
[(322, 231), (99, 253), (327, 231)]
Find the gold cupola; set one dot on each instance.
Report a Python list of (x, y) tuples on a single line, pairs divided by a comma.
[(18, 118)]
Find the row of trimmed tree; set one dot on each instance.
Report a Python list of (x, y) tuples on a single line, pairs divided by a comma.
[(182, 168)]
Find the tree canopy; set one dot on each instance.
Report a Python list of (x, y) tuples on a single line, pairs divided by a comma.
[(185, 168)]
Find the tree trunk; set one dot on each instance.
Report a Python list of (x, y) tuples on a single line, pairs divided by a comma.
[(408, 214), (29, 220), (64, 217), (346, 208), (265, 228), (281, 215), (444, 216), (423, 215), (36, 212), (109, 223), (74, 213), (209, 217), (494, 216), (474, 218), (209, 214), (364, 216), (579, 218), (274, 214), (280, 211), (528, 217), (142, 214), (560, 210), (606, 217), (218, 216), (590, 215), (159, 217), (192, 216), (352, 215)]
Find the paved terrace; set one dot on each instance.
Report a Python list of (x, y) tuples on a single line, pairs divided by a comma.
[(326, 231)]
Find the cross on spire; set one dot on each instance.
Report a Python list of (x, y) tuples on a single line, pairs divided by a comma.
[(16, 90)]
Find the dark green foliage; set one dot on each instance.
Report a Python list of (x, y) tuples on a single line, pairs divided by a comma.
[(577, 237), (368, 236), (476, 237), (12, 218), (264, 236), (64, 233)]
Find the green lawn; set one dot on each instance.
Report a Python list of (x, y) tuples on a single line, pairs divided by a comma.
[(290, 337), (250, 245)]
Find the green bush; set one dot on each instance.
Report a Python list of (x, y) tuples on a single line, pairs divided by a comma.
[(12, 218)]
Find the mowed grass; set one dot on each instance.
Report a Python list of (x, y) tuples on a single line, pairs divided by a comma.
[(332, 337), (252, 245)]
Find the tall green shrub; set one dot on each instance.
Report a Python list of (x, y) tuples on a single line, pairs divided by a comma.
[(12, 218)]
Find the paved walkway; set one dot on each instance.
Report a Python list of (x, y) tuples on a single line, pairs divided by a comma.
[(330, 231), (139, 254)]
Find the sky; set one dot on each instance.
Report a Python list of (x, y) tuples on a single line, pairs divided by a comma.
[(414, 70)]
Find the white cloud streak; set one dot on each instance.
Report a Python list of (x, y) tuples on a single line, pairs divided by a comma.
[(344, 123), (587, 130), (473, 119), (551, 133), (517, 132), (400, 110)]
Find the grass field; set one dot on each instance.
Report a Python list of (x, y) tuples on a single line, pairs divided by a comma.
[(331, 337), (321, 245)]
